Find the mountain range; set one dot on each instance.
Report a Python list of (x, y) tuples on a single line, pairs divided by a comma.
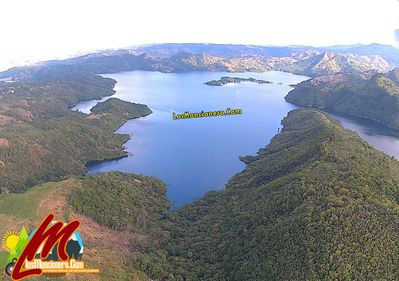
[(304, 60)]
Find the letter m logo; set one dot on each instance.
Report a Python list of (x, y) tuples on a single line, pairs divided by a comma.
[(45, 237)]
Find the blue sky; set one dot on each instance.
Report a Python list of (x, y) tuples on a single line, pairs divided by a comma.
[(35, 30)]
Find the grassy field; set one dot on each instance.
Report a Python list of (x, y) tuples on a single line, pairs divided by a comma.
[(103, 247), (17, 210), (25, 205)]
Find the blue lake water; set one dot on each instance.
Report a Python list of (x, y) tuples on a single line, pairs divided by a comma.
[(194, 156), (380, 137)]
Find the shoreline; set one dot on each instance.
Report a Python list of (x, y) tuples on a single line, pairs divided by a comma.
[(348, 115), (125, 153), (91, 163)]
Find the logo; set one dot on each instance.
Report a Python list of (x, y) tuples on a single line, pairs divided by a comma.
[(202, 114), (53, 247)]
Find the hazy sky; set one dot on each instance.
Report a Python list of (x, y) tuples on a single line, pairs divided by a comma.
[(44, 29)]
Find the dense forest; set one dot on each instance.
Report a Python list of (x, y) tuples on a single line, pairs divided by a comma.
[(370, 95), (122, 201), (41, 139), (122, 108), (135, 204), (317, 203)]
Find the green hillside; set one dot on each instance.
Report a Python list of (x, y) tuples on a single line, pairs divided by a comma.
[(371, 96), (317, 203), (41, 139), (122, 201), (114, 238), (135, 205), (122, 108)]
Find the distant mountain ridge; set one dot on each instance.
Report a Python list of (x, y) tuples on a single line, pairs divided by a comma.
[(304, 60), (389, 53), (331, 63), (233, 50)]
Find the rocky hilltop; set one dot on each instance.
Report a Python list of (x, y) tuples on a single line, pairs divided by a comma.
[(210, 57)]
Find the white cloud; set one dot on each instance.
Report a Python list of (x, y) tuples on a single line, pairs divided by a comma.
[(44, 29)]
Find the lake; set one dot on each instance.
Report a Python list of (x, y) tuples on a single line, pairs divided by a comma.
[(194, 156)]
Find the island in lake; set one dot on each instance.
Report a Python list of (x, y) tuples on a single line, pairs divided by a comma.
[(228, 80)]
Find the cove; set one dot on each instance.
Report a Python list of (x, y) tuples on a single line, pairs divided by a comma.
[(197, 155)]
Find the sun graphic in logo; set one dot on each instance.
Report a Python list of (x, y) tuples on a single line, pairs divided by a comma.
[(10, 241)]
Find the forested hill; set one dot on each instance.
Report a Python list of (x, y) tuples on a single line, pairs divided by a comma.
[(122, 108), (373, 96), (41, 139), (317, 203)]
